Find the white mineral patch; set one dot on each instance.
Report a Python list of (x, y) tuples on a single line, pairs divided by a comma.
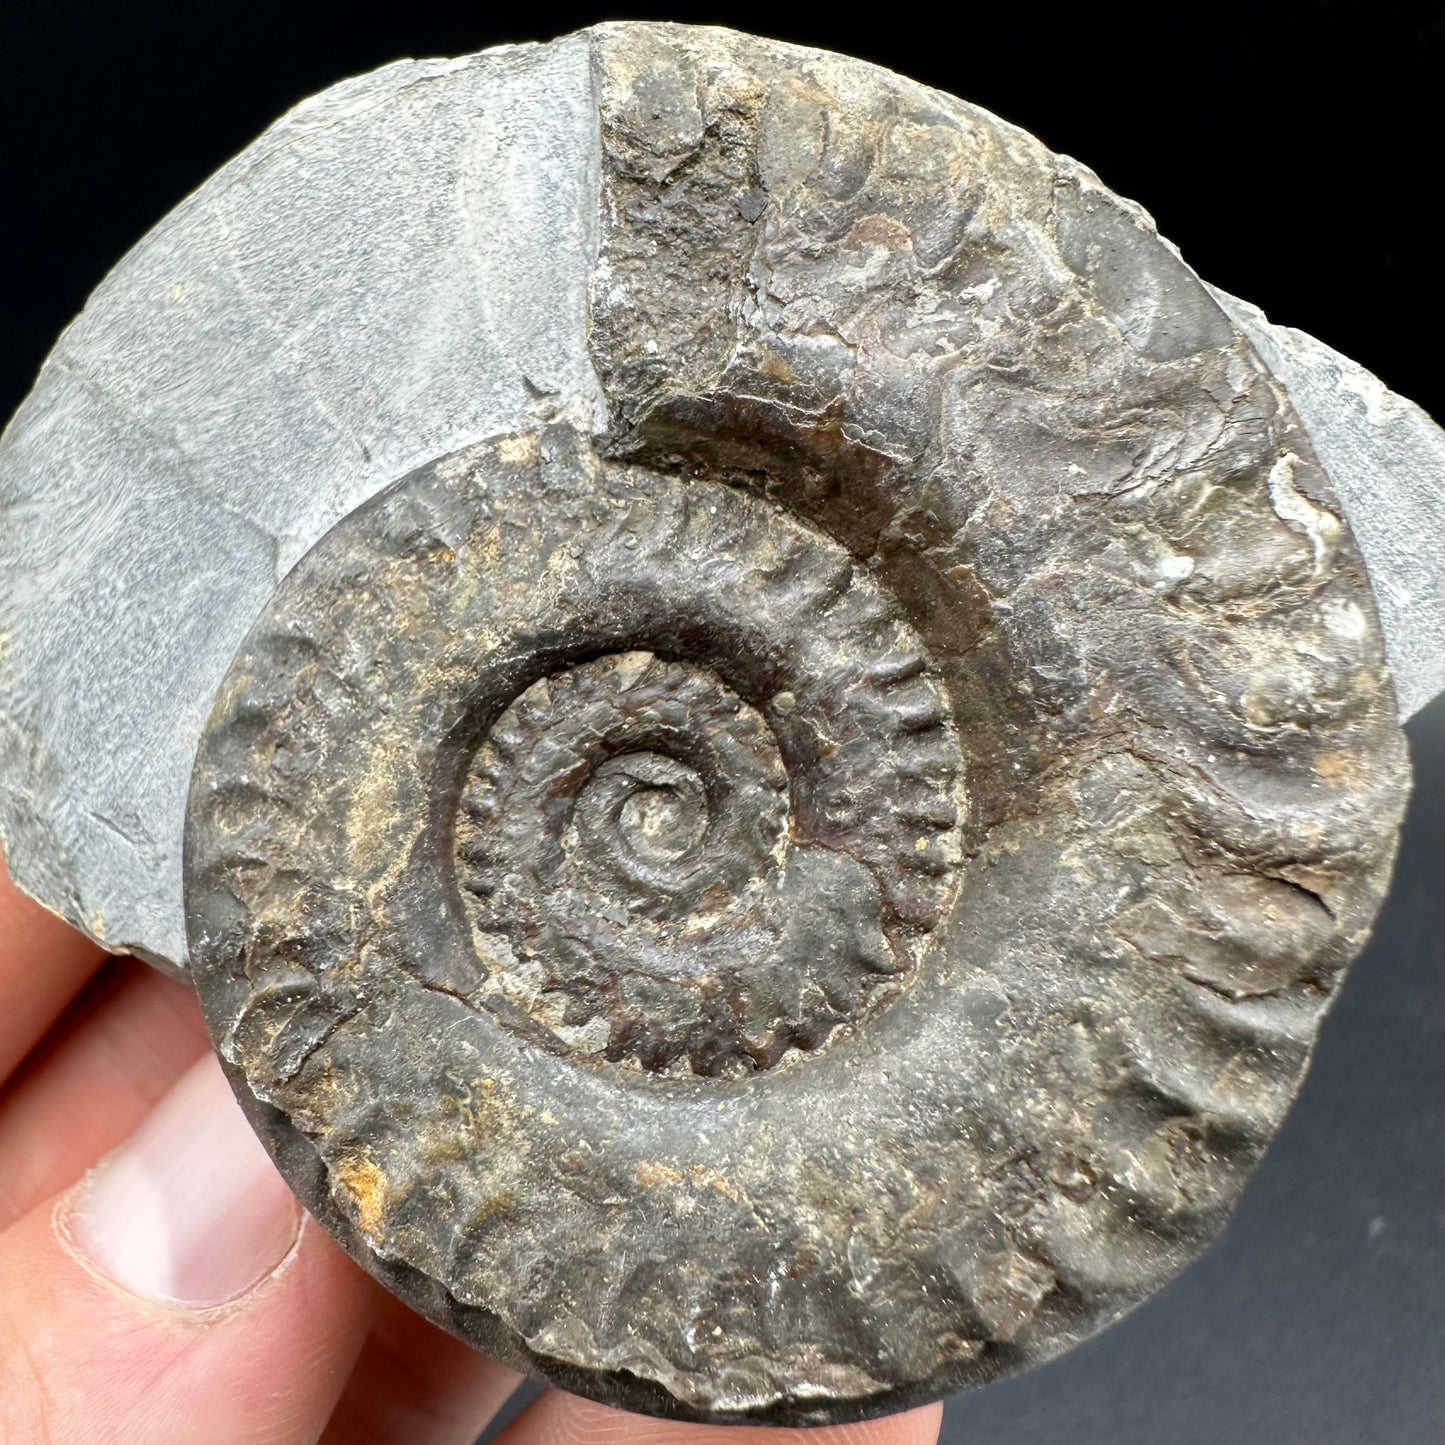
[(1291, 505)]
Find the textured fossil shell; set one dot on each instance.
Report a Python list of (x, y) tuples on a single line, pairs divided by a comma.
[(774, 843)]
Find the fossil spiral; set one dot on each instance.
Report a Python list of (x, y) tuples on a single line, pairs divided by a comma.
[(789, 861), (716, 859)]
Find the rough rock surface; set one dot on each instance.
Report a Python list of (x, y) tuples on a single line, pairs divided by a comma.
[(812, 883), (398, 268), (1386, 458)]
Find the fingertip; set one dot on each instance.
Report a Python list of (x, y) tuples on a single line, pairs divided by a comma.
[(116, 1052), (189, 1210), (179, 1294)]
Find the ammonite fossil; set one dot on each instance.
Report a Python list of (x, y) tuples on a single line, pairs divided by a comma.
[(776, 739)]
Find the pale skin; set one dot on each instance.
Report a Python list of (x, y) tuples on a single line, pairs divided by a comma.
[(160, 1286)]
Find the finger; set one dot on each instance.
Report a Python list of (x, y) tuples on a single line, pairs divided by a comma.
[(559, 1419), (115, 1052), (416, 1385), (177, 1294), (43, 963)]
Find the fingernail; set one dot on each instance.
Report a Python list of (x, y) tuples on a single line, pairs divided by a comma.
[(190, 1210)]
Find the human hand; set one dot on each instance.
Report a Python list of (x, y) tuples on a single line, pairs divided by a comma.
[(158, 1281)]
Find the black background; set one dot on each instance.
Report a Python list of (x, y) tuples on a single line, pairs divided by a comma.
[(1294, 153)]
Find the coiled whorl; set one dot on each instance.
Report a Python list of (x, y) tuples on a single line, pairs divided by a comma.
[(810, 884), (727, 812)]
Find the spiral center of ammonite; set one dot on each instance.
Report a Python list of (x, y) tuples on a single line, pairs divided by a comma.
[(645, 806), (640, 885)]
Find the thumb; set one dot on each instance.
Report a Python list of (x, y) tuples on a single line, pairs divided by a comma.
[(177, 1294)]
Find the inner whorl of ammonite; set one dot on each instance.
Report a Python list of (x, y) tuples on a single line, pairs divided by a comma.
[(661, 871)]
